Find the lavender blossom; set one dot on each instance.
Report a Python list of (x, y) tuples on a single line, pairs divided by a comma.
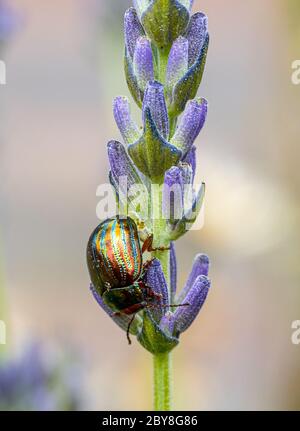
[(154, 100), (190, 125), (33, 382), (177, 62), (129, 130), (8, 21), (143, 63), (165, 55)]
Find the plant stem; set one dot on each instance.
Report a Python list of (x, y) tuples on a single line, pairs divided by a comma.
[(161, 362), (163, 55), (162, 382)]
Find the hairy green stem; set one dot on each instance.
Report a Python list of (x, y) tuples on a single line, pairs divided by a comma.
[(161, 362), (163, 55), (162, 382)]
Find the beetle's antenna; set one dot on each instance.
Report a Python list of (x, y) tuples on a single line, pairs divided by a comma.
[(168, 305)]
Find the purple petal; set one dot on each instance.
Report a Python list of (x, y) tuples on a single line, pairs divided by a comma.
[(200, 267), (154, 278), (190, 125), (177, 62), (123, 320), (154, 99), (196, 34), (190, 158), (167, 323), (143, 62), (122, 167), (132, 30), (173, 194), (173, 271), (196, 296), (129, 130)]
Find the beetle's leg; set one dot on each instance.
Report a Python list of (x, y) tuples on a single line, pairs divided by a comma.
[(133, 309), (147, 246), (187, 304), (128, 328), (149, 292), (147, 264)]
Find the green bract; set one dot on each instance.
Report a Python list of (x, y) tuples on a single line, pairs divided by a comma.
[(164, 21), (144, 152)]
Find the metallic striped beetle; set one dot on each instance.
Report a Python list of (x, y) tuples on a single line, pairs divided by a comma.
[(115, 263), (117, 271)]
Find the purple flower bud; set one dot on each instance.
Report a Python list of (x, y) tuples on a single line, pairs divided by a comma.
[(121, 167), (173, 272), (129, 130), (121, 320), (132, 29), (196, 34), (178, 62), (143, 62), (173, 195), (183, 317), (155, 279), (200, 267), (154, 99), (190, 125)]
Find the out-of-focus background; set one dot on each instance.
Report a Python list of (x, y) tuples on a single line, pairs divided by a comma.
[(64, 66)]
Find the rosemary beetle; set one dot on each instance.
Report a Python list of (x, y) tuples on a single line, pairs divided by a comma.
[(116, 268)]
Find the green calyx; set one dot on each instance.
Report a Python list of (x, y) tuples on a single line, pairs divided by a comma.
[(145, 151), (164, 21)]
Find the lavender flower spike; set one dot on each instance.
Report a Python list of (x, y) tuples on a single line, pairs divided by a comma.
[(191, 124), (165, 56), (154, 99), (143, 63)]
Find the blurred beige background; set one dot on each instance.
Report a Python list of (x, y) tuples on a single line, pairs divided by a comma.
[(63, 69)]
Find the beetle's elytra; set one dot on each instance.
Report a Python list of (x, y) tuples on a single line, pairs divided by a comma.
[(114, 254), (115, 263)]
